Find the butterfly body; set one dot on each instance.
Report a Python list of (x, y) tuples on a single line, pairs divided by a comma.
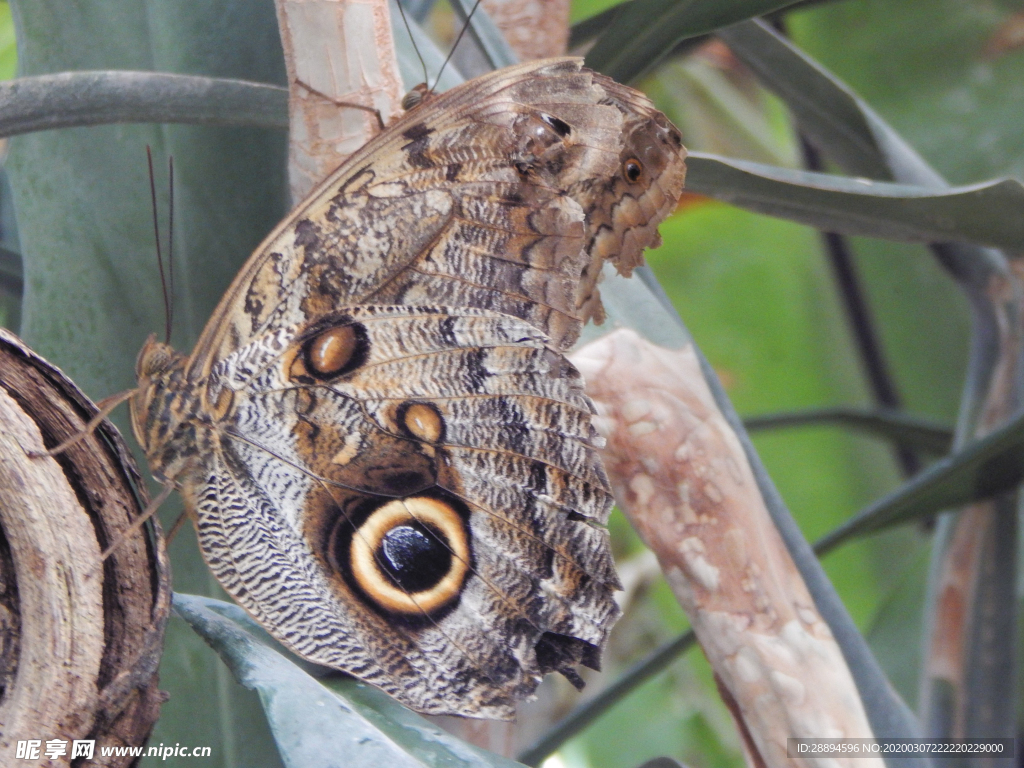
[(390, 462)]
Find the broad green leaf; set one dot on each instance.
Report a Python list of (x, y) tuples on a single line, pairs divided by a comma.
[(11, 283), (590, 27), (11, 274), (8, 49), (848, 130), (723, 115), (488, 37), (990, 213), (92, 293), (73, 99), (329, 722), (825, 109), (958, 67), (413, 57), (643, 31), (945, 74), (895, 630)]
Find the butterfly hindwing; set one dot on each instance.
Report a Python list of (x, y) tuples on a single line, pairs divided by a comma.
[(464, 435)]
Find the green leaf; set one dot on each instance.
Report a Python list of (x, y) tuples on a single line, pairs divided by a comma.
[(951, 88), (586, 30), (488, 37), (920, 434), (414, 57), (8, 49), (827, 111), (321, 724), (92, 292), (990, 213), (643, 31), (851, 133), (11, 281), (982, 469), (930, 69), (70, 99), (975, 269)]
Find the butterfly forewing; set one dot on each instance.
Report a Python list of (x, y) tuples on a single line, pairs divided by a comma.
[(497, 194)]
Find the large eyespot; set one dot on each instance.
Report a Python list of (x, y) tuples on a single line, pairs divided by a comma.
[(632, 170), (332, 352), (411, 556)]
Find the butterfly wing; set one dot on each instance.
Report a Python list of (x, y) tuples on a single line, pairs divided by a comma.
[(414, 495), (505, 193), (391, 463)]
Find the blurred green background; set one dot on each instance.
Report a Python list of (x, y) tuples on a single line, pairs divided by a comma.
[(758, 294)]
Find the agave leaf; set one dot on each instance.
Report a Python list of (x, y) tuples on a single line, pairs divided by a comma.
[(485, 32), (982, 469), (920, 434), (69, 99), (643, 31), (990, 213), (333, 722), (92, 291), (834, 117)]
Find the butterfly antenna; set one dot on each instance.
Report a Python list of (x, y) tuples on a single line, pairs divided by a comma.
[(159, 253), (408, 28), (170, 248), (458, 39)]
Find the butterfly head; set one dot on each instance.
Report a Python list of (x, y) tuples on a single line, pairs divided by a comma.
[(154, 359), (416, 96)]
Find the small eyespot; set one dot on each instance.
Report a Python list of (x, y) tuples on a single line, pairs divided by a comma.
[(632, 170), (422, 421), (332, 352)]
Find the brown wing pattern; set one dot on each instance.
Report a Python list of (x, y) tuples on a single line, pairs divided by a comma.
[(312, 467), (499, 194), (391, 462)]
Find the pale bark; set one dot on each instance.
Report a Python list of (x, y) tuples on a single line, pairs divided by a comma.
[(335, 51), (680, 474), (535, 29)]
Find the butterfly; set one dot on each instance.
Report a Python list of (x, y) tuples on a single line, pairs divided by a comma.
[(388, 459)]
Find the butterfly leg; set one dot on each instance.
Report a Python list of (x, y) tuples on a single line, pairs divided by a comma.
[(106, 405), (150, 510), (173, 531), (352, 104)]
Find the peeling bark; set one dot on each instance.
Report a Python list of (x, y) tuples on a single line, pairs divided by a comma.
[(680, 473), (535, 29), (80, 637), (335, 51)]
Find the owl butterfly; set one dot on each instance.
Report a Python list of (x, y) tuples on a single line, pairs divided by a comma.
[(389, 462)]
